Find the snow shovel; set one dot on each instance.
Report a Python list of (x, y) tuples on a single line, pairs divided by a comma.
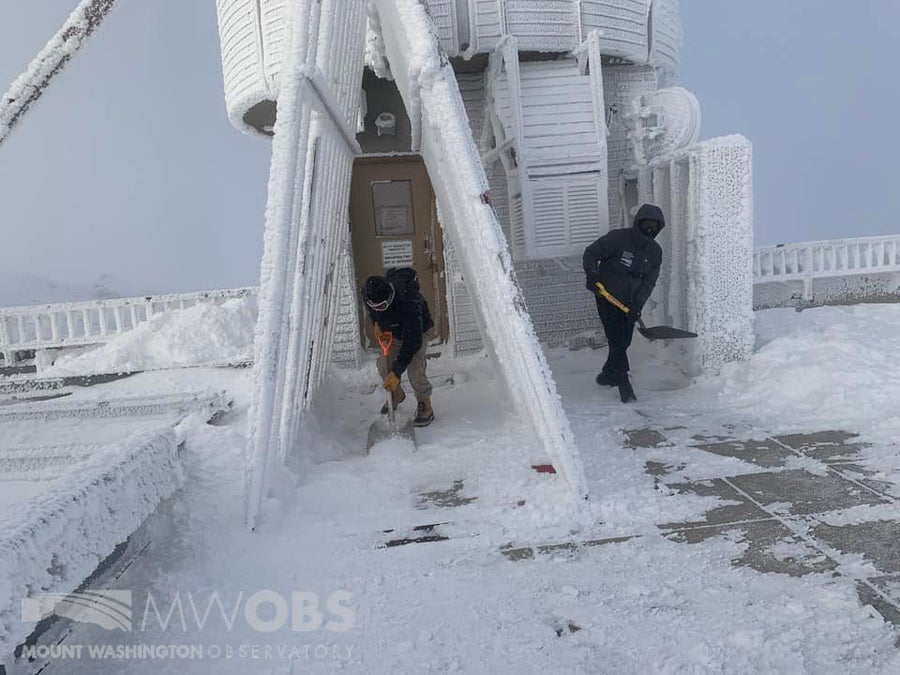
[(655, 333), (388, 427), (663, 332)]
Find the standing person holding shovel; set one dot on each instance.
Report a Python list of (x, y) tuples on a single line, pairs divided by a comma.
[(621, 268), (401, 318)]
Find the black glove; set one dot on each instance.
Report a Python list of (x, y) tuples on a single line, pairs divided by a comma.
[(635, 315)]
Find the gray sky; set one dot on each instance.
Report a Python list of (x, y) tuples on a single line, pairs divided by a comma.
[(129, 167)]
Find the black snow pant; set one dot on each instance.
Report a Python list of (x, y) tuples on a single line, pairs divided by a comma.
[(619, 328)]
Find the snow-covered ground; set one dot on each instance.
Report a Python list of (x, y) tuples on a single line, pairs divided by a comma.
[(510, 574)]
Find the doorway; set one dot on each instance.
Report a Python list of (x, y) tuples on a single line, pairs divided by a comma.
[(393, 222)]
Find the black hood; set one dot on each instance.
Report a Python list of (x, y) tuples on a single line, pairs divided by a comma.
[(649, 212)]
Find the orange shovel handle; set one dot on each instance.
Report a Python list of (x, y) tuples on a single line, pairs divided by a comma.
[(385, 340)]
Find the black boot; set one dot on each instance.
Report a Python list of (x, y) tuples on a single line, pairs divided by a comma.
[(605, 380), (626, 393)]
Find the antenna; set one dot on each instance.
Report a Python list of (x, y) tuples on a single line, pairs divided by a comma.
[(30, 85)]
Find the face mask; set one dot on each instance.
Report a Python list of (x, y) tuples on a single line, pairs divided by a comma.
[(650, 227)]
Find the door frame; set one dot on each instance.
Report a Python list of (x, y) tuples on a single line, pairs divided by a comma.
[(434, 245)]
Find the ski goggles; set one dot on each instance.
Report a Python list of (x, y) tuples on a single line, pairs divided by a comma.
[(383, 305)]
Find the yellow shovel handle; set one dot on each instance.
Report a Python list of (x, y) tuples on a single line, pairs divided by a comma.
[(609, 296)]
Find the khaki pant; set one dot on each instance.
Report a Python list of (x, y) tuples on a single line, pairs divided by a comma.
[(415, 372)]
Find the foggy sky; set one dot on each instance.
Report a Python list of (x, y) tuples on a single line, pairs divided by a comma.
[(128, 166)]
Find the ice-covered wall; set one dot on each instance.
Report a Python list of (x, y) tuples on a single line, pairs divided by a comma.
[(53, 542), (706, 284), (642, 32), (639, 31), (621, 86), (345, 351)]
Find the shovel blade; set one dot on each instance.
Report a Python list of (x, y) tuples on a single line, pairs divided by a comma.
[(665, 333), (382, 430)]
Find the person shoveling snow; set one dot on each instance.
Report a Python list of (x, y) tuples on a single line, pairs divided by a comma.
[(396, 307), (389, 427), (621, 268)]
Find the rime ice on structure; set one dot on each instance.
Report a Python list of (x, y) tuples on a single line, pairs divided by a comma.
[(50, 544), (30, 85), (569, 111)]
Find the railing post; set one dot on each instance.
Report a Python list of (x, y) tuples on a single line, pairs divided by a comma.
[(104, 328), (117, 315), (54, 326), (70, 324), (88, 323), (5, 341)]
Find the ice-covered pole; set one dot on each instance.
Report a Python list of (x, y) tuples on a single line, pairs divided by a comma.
[(30, 85)]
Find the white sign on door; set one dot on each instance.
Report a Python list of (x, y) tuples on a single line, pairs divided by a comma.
[(397, 253)]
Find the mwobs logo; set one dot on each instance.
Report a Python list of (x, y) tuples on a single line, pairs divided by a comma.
[(108, 609)]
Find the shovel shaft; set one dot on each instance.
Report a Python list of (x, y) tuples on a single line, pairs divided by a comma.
[(391, 414)]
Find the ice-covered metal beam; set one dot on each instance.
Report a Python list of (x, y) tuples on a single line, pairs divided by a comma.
[(306, 227), (30, 85)]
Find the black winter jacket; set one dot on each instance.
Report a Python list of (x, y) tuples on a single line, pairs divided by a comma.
[(408, 319), (626, 261)]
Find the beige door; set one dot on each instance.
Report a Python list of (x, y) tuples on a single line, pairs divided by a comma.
[(393, 220)]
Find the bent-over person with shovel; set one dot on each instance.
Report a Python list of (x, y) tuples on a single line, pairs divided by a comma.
[(401, 318), (622, 267)]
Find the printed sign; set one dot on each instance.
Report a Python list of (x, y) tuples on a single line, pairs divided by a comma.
[(398, 253), (393, 220)]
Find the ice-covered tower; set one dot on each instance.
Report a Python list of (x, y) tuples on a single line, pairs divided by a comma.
[(485, 144), (575, 110)]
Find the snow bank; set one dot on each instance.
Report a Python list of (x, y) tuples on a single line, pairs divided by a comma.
[(200, 335), (831, 367), (53, 542)]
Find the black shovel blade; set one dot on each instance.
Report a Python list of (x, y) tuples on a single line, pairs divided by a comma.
[(665, 333)]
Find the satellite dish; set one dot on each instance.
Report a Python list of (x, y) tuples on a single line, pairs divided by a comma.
[(663, 122)]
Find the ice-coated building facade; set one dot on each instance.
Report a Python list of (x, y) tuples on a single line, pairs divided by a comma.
[(550, 121), (575, 110)]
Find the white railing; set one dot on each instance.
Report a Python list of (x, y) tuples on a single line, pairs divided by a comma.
[(81, 324), (838, 257)]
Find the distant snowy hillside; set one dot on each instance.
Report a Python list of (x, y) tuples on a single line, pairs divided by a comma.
[(27, 289)]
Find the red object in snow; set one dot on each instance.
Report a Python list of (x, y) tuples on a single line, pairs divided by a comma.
[(543, 468)]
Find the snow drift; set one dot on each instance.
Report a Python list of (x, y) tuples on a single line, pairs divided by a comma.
[(205, 334), (815, 369)]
